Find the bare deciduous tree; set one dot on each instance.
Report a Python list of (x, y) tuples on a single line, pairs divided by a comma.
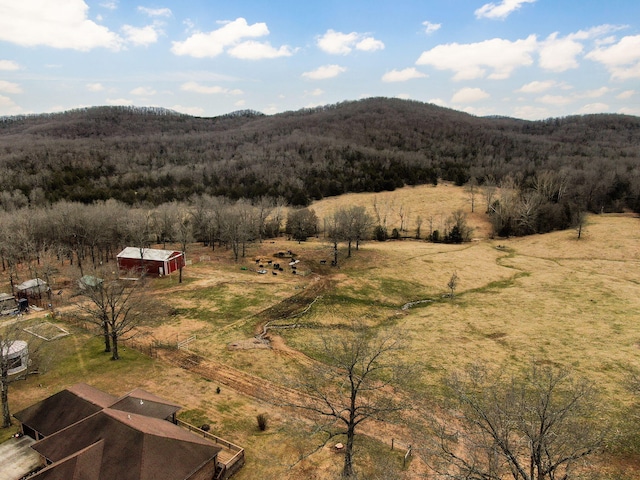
[(115, 305), (536, 426), (356, 384)]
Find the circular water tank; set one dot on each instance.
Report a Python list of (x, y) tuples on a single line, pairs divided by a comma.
[(17, 355)]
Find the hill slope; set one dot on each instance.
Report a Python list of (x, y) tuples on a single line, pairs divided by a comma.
[(371, 145)]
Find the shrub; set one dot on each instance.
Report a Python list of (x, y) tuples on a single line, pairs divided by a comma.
[(262, 421)]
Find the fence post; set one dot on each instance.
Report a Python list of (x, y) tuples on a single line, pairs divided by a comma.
[(392, 444)]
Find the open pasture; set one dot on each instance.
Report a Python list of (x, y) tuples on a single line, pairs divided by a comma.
[(546, 298)]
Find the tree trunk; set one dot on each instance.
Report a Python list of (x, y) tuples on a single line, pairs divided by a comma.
[(107, 341), (4, 397), (114, 350), (180, 277), (347, 471)]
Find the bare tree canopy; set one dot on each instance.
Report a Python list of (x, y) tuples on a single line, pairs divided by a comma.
[(355, 385), (535, 426), (115, 305)]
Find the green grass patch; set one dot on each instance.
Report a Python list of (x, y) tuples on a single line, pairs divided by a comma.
[(195, 417)]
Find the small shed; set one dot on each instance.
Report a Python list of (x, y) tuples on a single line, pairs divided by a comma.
[(33, 290), (154, 262), (8, 303), (17, 354)]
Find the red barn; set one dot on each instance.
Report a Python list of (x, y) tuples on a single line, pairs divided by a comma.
[(154, 262)]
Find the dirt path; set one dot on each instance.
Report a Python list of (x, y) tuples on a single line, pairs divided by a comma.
[(272, 393)]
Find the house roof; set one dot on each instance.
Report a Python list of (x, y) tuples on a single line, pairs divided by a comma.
[(57, 412), (91, 435), (136, 447), (93, 395), (33, 284), (149, 254), (144, 403)]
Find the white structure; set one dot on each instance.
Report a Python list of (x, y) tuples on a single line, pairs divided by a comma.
[(17, 354)]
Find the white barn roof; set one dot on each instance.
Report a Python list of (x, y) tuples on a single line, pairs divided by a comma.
[(148, 254)]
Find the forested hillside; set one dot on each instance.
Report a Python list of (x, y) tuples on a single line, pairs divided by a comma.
[(153, 155)]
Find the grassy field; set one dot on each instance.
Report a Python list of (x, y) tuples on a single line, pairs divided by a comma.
[(546, 298)]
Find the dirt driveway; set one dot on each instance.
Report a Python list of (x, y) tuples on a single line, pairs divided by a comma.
[(17, 458)]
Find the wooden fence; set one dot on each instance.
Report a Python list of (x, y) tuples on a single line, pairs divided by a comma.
[(226, 467)]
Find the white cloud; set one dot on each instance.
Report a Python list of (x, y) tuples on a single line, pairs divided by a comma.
[(252, 50), (599, 92), (402, 75), (430, 28), (621, 59), (119, 101), (324, 72), (369, 44), (559, 54), (143, 91), (10, 87), (156, 12), (240, 103), (403, 96), (212, 44), (500, 10), (9, 107), (95, 87), (339, 43), (61, 24), (140, 36), (537, 86), (626, 94), (195, 111), (471, 61), (438, 101), (315, 93), (110, 4), (8, 65), (469, 95), (630, 111), (555, 99), (594, 108), (529, 112), (208, 90)]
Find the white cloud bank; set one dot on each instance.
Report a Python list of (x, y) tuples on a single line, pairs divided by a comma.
[(8, 65), (471, 61), (9, 87), (208, 90), (232, 37), (469, 95), (324, 72), (141, 36), (61, 24), (500, 10), (402, 75), (498, 58), (622, 59), (339, 43), (156, 12)]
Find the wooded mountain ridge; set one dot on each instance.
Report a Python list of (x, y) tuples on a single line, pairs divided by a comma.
[(154, 155)]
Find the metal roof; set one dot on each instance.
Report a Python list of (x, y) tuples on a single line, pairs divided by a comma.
[(148, 254)]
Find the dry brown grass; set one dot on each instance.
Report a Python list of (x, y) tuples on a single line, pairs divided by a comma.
[(548, 298)]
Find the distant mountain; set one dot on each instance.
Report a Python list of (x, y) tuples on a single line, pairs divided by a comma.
[(157, 155)]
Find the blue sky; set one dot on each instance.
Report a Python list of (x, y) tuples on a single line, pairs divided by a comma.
[(528, 59)]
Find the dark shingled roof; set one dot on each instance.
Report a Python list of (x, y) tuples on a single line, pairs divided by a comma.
[(91, 435), (79, 466), (145, 403), (153, 448), (57, 412)]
